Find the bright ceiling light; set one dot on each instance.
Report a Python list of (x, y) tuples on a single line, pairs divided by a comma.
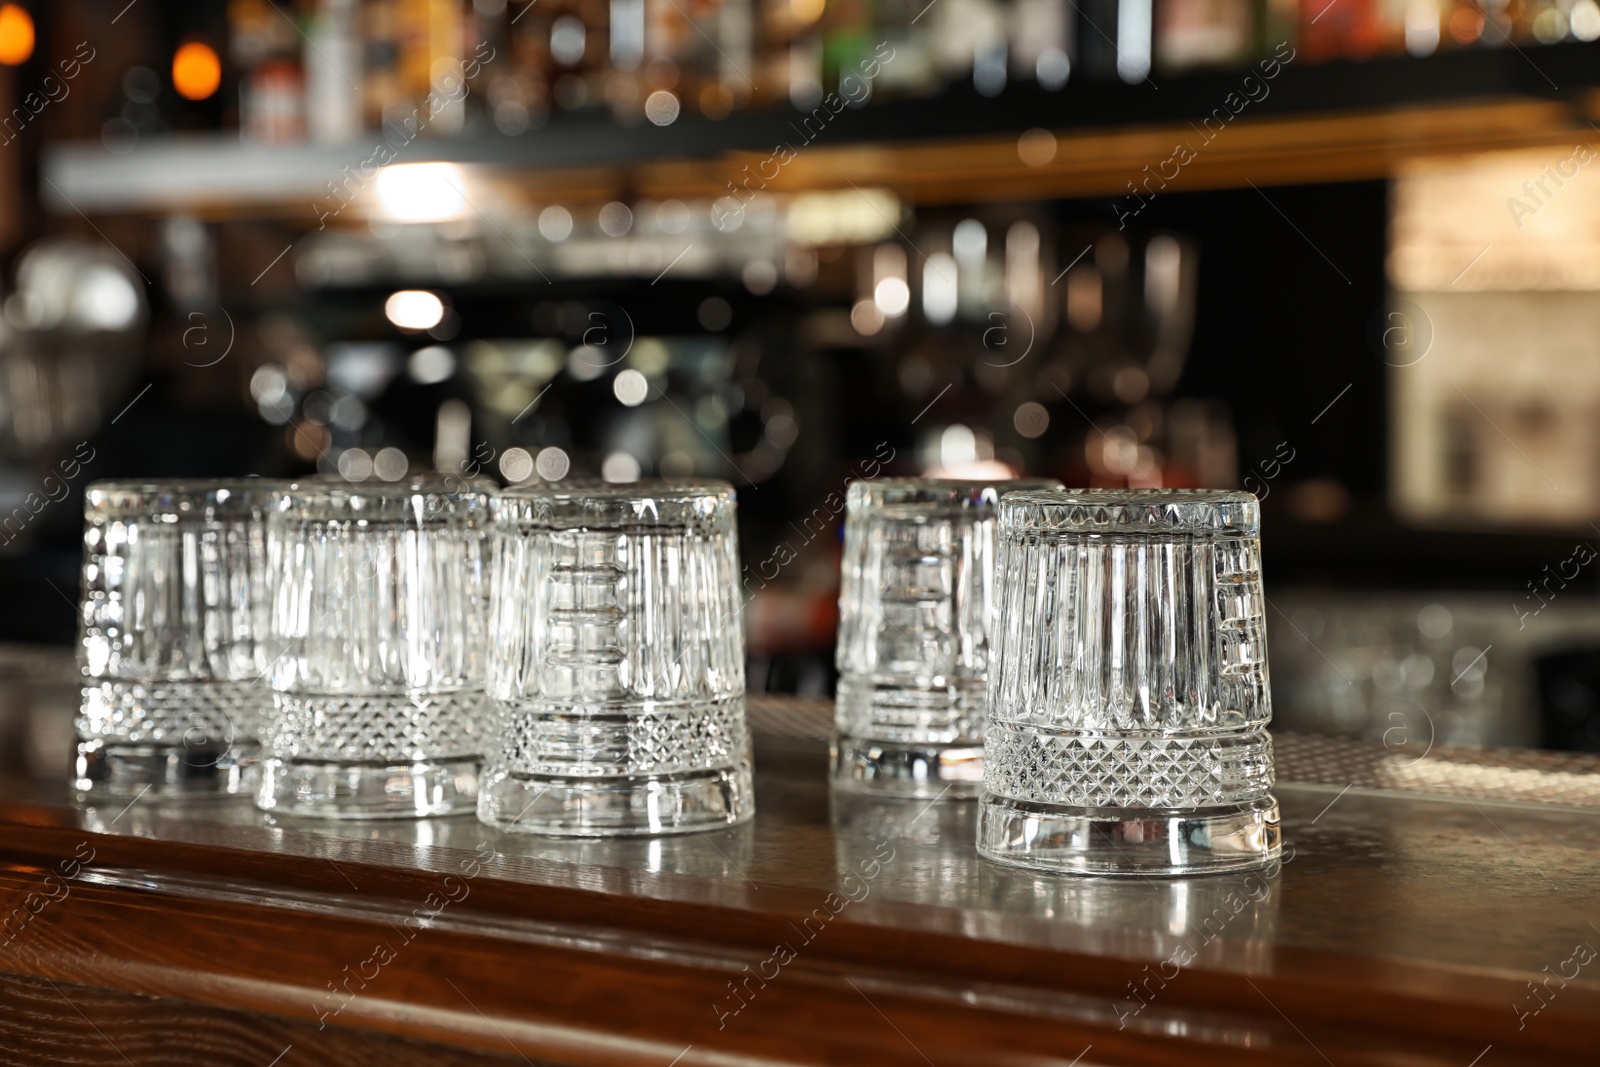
[(414, 309), (422, 192)]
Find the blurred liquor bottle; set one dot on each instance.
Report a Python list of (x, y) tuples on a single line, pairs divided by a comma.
[(899, 50), (264, 43), (846, 43), (700, 55), (381, 87), (576, 52), (970, 42), (1115, 39), (736, 85), (797, 28), (1204, 33), (519, 79), (333, 71), (1361, 29), (430, 62), (625, 85), (1192, 34), (1553, 21), (1538, 21), (1042, 35)]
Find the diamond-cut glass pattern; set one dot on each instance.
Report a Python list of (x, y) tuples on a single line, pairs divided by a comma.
[(617, 632), (1127, 772), (183, 713), (174, 611), (592, 742), (379, 729), (1130, 656), (379, 621)]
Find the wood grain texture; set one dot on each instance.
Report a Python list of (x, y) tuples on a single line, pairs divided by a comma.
[(1403, 931), (45, 1022)]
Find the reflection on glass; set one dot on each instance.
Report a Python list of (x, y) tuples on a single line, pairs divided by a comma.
[(1129, 697), (171, 637), (916, 604)]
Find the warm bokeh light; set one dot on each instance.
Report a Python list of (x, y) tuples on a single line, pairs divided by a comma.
[(422, 192), (196, 71), (414, 309), (16, 35)]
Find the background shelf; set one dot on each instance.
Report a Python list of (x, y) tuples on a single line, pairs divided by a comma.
[(1331, 122)]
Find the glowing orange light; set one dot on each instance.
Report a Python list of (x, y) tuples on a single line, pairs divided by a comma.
[(16, 35), (196, 71)]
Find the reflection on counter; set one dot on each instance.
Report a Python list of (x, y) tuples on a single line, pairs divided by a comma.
[(1175, 920)]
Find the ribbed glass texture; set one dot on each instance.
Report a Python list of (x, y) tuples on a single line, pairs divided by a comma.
[(1130, 665), (617, 659), (379, 618), (174, 617), (916, 606)]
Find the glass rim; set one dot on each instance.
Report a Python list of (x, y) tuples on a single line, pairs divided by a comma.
[(651, 488), (1133, 511), (934, 493), (331, 496), (606, 505), (141, 496)]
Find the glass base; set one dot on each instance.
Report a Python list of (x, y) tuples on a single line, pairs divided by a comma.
[(906, 769), (1129, 841), (617, 806), (323, 789), (103, 768)]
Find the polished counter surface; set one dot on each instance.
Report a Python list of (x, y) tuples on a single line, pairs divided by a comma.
[(1423, 914)]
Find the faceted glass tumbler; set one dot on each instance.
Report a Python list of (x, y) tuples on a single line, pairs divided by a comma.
[(1128, 696), (379, 628), (173, 619), (916, 602), (617, 661)]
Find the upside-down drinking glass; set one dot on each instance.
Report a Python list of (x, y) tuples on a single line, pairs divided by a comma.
[(171, 637), (617, 661), (378, 622), (916, 600), (1128, 698)]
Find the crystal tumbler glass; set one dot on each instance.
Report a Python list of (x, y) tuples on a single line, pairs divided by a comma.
[(170, 647), (1128, 697), (617, 661), (379, 621), (916, 605)]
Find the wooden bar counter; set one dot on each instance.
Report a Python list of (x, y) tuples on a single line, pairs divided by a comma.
[(1432, 909)]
